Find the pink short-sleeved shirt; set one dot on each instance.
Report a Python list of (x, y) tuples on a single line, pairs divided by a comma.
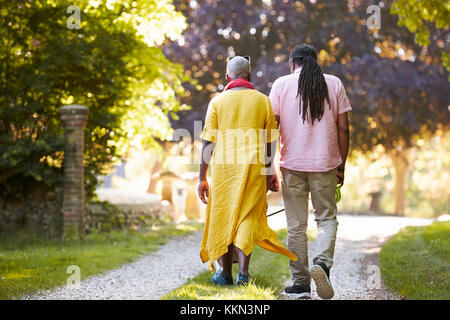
[(306, 147)]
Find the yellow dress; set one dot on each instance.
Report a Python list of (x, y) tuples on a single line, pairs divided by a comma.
[(237, 206)]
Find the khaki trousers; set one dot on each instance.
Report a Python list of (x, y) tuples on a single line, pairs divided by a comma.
[(296, 188)]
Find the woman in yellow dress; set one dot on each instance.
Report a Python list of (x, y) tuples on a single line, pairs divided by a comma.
[(240, 134)]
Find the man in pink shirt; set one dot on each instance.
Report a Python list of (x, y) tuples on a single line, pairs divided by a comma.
[(311, 109)]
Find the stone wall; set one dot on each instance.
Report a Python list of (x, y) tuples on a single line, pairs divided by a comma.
[(61, 212), (39, 211)]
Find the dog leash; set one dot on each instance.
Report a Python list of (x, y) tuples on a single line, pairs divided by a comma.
[(337, 197), (276, 212)]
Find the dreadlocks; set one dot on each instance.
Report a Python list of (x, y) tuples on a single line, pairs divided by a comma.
[(311, 83)]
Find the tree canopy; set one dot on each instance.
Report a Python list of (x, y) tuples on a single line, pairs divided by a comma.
[(428, 20), (111, 64), (397, 89)]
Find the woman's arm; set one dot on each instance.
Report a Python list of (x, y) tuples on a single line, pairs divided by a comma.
[(203, 187), (271, 175)]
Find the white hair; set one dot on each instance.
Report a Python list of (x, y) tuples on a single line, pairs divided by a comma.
[(238, 67)]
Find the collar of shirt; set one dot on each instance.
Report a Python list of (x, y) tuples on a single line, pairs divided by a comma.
[(298, 70)]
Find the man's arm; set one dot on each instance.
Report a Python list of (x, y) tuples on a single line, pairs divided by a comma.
[(343, 142), (277, 118), (203, 187)]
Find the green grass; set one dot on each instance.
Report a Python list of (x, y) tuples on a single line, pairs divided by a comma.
[(269, 271), (29, 264), (416, 262)]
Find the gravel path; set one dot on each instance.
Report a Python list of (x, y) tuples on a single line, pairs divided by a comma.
[(355, 274), (148, 278)]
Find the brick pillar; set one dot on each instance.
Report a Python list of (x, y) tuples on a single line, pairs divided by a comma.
[(74, 118)]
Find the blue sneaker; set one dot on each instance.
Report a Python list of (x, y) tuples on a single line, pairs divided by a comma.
[(242, 280), (218, 278)]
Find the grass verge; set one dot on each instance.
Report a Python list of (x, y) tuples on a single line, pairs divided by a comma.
[(269, 271), (30, 264), (416, 262)]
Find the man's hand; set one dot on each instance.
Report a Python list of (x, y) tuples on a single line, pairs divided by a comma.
[(272, 183), (340, 175), (203, 189), (343, 143)]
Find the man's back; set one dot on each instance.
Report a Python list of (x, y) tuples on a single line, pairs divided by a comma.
[(305, 146)]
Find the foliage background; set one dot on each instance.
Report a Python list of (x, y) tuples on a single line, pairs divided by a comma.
[(112, 64), (396, 84), (138, 65)]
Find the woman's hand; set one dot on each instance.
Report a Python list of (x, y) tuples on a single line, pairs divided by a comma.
[(203, 189), (272, 183)]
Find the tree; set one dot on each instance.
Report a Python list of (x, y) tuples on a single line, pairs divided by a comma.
[(401, 102), (425, 18), (383, 70), (112, 64)]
